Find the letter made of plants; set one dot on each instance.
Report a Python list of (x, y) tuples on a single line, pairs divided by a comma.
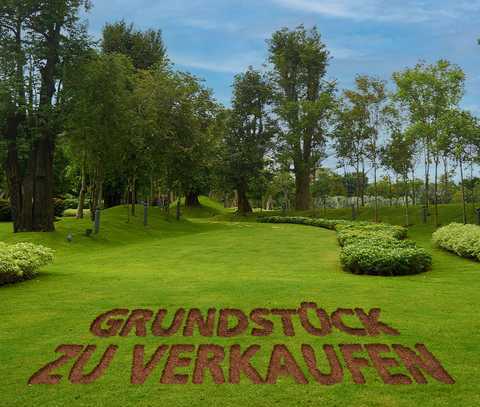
[(175, 359)]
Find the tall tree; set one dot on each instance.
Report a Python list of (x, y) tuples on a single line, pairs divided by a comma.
[(147, 52), (43, 37), (248, 133), (371, 112), (398, 155), (463, 131), (192, 144), (304, 101), (350, 141), (97, 101), (427, 92)]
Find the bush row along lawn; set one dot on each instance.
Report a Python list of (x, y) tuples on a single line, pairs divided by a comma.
[(394, 215), (369, 248)]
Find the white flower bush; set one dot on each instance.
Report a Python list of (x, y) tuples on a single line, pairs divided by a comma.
[(22, 261), (463, 240)]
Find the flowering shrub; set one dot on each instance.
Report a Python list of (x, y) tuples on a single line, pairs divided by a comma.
[(21, 261), (370, 248), (463, 240)]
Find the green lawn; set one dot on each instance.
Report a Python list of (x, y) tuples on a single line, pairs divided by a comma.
[(205, 262)]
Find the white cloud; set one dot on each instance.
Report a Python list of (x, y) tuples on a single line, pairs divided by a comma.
[(206, 24), (345, 53), (406, 11), (231, 64)]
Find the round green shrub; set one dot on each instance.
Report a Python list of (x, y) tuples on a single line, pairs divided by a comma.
[(22, 261), (388, 260)]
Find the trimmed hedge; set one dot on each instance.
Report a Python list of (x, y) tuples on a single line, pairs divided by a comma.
[(300, 220), (463, 240), (22, 261), (369, 248)]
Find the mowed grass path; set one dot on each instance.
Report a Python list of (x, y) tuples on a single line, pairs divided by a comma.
[(206, 263)]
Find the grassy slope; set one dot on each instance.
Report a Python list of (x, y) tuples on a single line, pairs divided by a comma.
[(208, 262)]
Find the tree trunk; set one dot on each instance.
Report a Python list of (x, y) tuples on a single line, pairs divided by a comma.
[(427, 177), (43, 213), (81, 196), (464, 204), (302, 189), (96, 195), (473, 183), (414, 187), (435, 193), (31, 196), (376, 191), (133, 195), (390, 190), (407, 217), (126, 201), (244, 206), (445, 184), (357, 186), (362, 187), (191, 200)]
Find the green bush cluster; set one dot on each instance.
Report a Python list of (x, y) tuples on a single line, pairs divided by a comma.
[(72, 213), (22, 261), (58, 206), (463, 240), (70, 203), (370, 248)]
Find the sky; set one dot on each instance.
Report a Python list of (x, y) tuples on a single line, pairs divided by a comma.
[(216, 39)]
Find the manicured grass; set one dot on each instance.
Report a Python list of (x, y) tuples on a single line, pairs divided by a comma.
[(207, 262)]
